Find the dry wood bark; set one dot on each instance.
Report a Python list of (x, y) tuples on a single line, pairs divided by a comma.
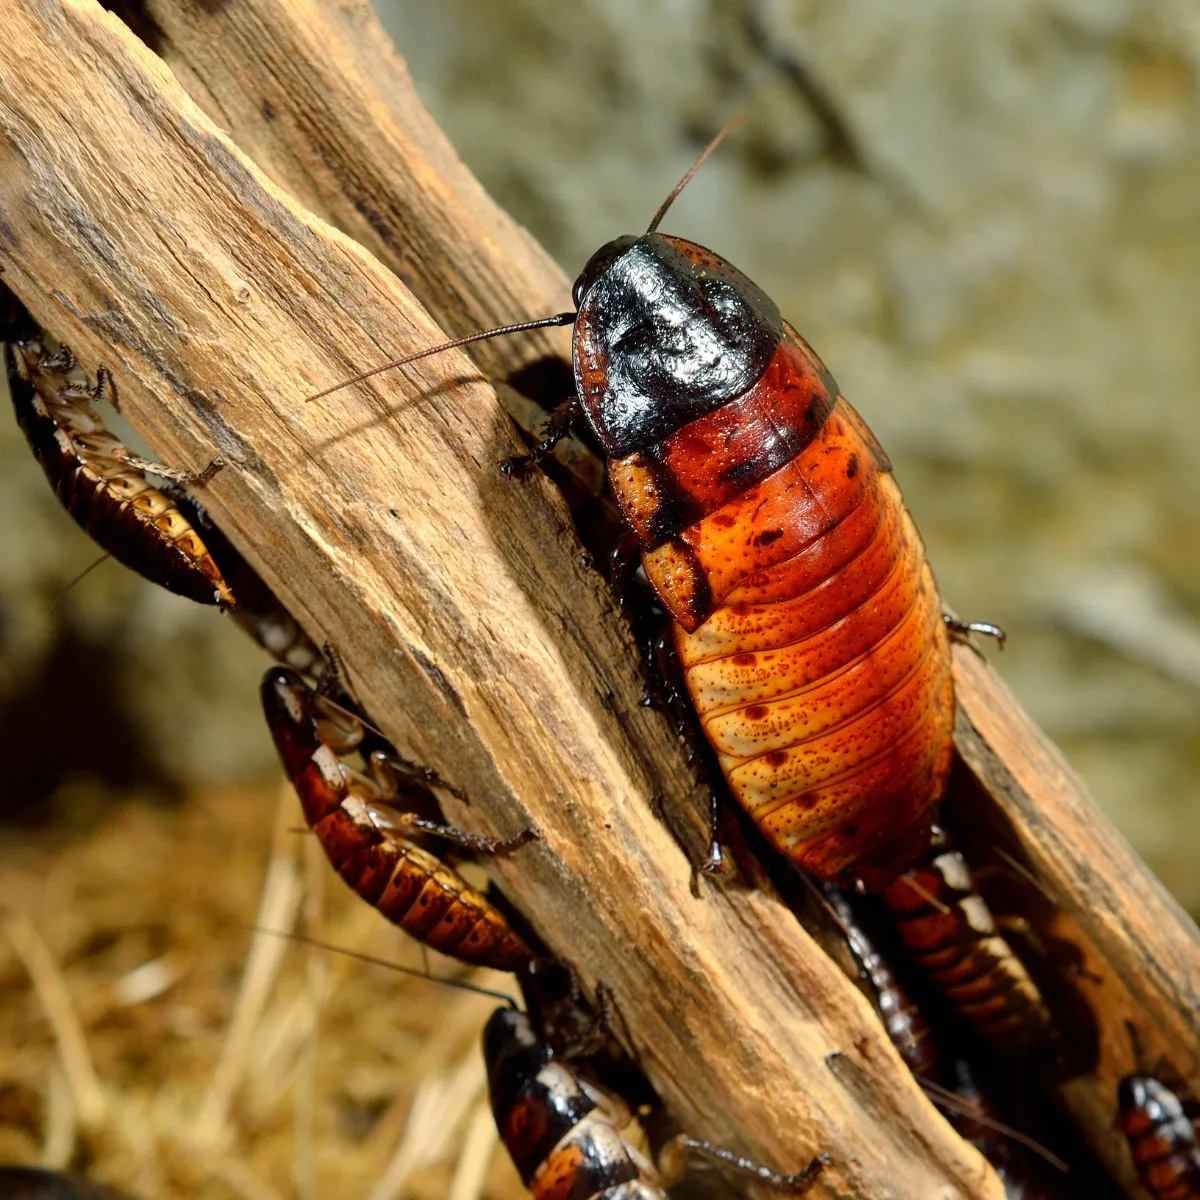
[(134, 229)]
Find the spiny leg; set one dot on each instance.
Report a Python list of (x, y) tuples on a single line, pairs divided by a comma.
[(962, 630), (478, 842), (558, 426)]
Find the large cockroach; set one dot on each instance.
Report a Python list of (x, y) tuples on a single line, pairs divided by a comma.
[(99, 480), (564, 1132), (369, 838), (950, 931), (806, 618)]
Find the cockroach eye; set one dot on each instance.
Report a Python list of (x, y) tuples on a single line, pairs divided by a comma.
[(598, 264)]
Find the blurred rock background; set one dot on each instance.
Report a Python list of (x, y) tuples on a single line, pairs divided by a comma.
[(985, 218)]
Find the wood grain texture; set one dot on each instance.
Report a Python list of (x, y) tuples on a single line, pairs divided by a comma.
[(508, 661), (137, 231), (1133, 953)]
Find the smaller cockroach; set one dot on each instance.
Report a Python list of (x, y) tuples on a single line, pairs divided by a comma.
[(161, 532), (1159, 1125), (98, 479), (949, 929), (375, 853), (34, 1183), (564, 1132), (903, 1020)]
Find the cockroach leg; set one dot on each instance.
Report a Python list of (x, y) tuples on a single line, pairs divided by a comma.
[(962, 630), (135, 462), (714, 860), (478, 842), (557, 427), (392, 766), (671, 1163)]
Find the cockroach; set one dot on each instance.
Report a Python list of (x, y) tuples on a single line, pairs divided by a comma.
[(161, 532), (950, 931), (98, 479), (1026, 1168), (564, 1132), (805, 616), (1159, 1125), (904, 1022), (34, 1183), (373, 851)]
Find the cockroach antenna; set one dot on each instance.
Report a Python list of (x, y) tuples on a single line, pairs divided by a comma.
[(690, 173), (461, 984), (565, 318), (559, 319)]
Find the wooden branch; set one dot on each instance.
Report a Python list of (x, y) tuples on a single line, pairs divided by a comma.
[(135, 230), (355, 161), (466, 623)]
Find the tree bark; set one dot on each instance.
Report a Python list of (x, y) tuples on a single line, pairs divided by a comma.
[(139, 233)]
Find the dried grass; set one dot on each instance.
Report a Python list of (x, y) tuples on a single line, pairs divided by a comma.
[(153, 1038)]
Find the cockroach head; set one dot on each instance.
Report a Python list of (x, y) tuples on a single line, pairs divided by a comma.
[(599, 264)]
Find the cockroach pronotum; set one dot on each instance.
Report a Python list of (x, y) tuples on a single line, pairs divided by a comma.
[(99, 480), (1160, 1129), (564, 1132), (805, 616), (35, 1183), (374, 851), (948, 927)]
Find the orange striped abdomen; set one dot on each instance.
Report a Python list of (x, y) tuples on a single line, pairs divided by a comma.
[(808, 623), (410, 886), (823, 682), (1162, 1138), (949, 929)]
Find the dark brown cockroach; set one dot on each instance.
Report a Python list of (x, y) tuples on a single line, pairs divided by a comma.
[(950, 931), (902, 1018), (34, 1183), (369, 840), (564, 1132), (805, 616), (1159, 1124), (99, 480), (162, 532)]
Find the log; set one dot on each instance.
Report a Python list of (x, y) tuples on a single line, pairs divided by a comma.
[(468, 628)]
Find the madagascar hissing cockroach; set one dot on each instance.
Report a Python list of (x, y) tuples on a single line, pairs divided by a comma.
[(1160, 1128), (369, 839), (98, 479), (902, 1018), (161, 532), (564, 1132), (950, 931), (35, 1183), (805, 616)]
